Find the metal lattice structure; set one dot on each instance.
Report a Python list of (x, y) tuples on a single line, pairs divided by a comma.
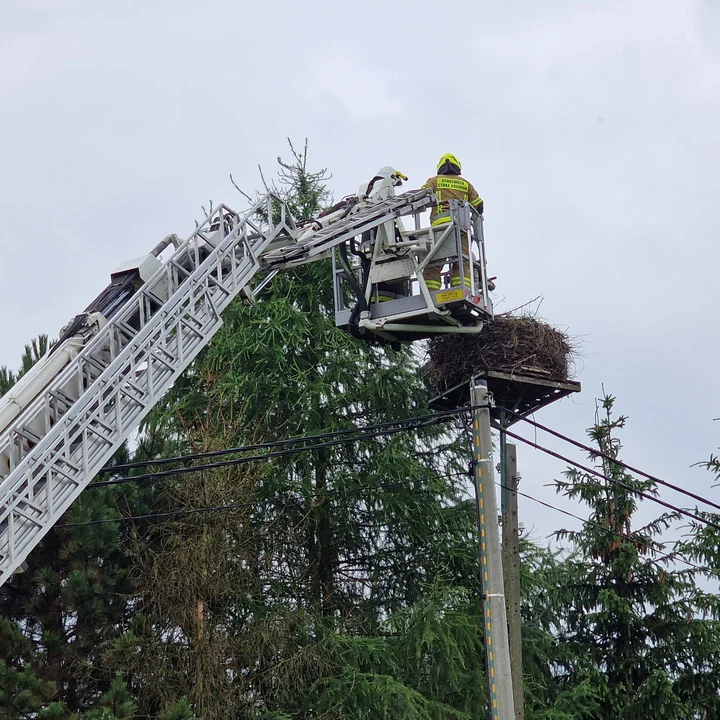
[(68, 433)]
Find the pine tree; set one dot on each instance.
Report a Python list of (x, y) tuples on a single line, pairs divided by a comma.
[(21, 692), (7, 379), (33, 351), (115, 704)]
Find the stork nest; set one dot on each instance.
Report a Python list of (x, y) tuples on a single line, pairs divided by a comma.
[(520, 345)]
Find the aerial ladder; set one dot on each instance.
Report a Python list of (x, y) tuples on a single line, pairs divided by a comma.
[(62, 422)]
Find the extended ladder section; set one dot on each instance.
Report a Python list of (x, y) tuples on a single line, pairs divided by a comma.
[(55, 445), (359, 219)]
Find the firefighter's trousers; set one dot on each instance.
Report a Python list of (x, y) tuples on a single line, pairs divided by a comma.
[(433, 274)]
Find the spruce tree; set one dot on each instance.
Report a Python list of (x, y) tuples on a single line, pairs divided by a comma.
[(635, 622), (344, 581), (339, 582)]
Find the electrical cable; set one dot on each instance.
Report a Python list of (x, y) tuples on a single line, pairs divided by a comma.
[(382, 486), (592, 523), (356, 435), (605, 456), (592, 471), (254, 458), (449, 414), (416, 419), (391, 431)]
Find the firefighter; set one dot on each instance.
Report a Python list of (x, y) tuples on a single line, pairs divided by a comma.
[(449, 185)]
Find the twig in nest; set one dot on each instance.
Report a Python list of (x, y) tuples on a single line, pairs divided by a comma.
[(520, 307)]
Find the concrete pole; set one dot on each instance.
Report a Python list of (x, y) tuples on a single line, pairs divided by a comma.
[(511, 567), (497, 651)]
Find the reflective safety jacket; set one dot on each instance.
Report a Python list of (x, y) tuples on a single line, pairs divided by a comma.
[(447, 188)]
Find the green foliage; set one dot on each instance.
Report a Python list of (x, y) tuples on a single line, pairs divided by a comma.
[(7, 379), (23, 695), (69, 602), (33, 352), (115, 704), (713, 465), (179, 710), (359, 695), (440, 649), (302, 190), (21, 692)]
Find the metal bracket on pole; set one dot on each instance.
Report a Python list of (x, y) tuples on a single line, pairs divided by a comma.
[(497, 651)]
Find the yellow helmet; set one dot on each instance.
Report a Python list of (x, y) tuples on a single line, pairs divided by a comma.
[(449, 158)]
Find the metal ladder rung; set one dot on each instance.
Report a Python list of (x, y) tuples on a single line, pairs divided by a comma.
[(19, 511), (185, 321), (27, 503), (58, 395), (174, 263), (91, 427), (214, 281), (129, 331), (95, 363), (157, 356), (56, 469), (129, 385), (28, 435)]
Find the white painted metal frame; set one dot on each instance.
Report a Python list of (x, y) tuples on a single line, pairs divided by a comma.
[(362, 217), (58, 444), (72, 429)]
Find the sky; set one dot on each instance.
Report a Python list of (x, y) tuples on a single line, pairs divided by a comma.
[(590, 129)]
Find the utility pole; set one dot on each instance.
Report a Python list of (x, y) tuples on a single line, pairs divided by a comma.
[(511, 565), (525, 394), (497, 651)]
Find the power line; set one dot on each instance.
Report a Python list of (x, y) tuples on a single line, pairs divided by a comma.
[(592, 471), (592, 523), (418, 420), (433, 418), (605, 456), (185, 512), (256, 458)]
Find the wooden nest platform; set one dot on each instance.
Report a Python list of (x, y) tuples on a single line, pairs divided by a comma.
[(526, 363)]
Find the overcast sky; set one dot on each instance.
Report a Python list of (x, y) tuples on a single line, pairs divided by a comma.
[(590, 129)]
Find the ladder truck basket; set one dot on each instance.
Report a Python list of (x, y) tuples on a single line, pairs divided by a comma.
[(380, 288)]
